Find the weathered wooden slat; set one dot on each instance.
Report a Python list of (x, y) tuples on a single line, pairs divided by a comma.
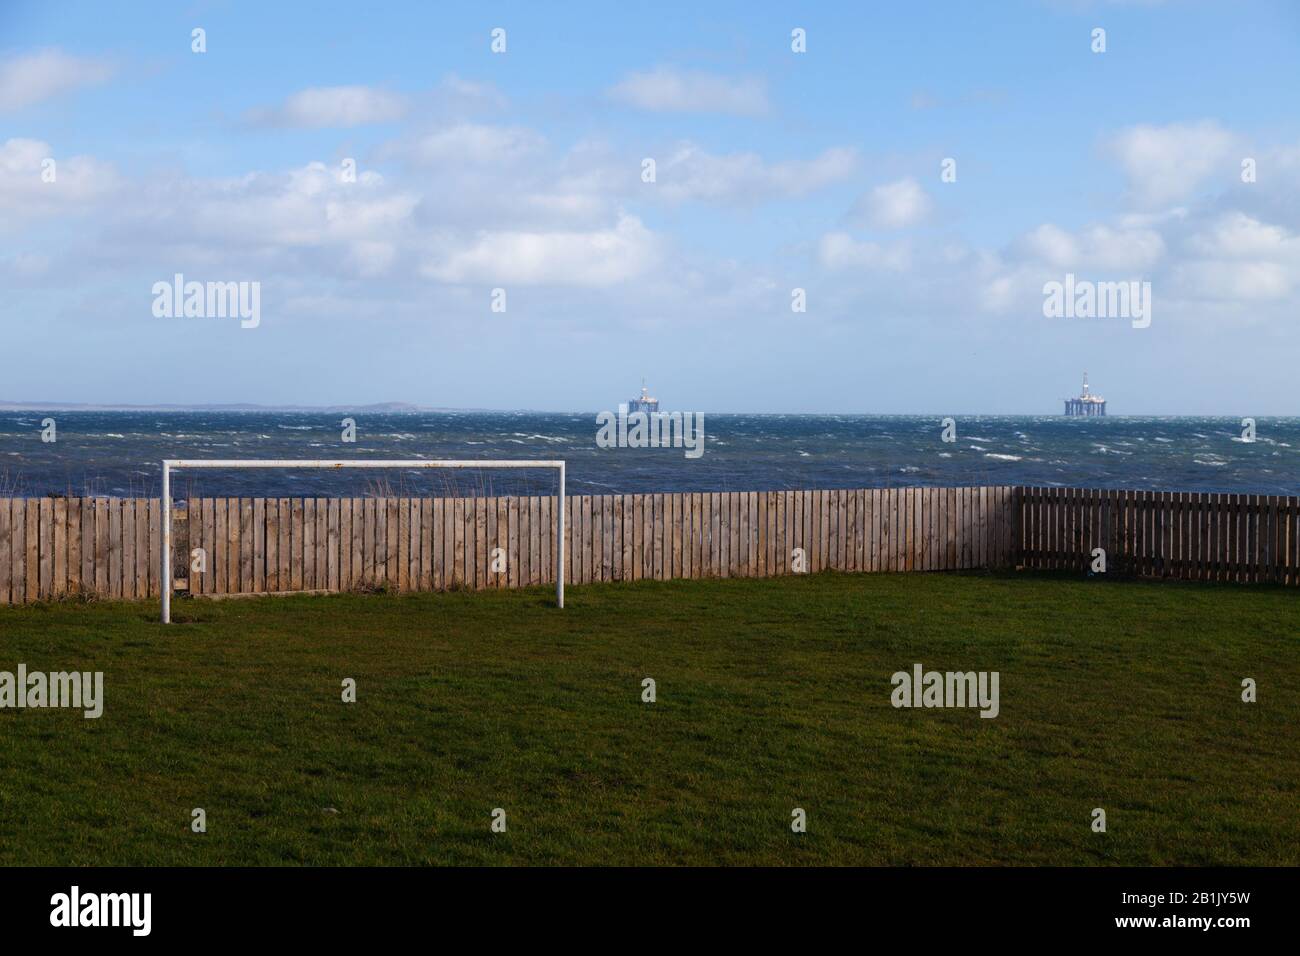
[(87, 545), (18, 550), (541, 533), (143, 555), (322, 543), (310, 578), (618, 564), (256, 580), (59, 557), (654, 537), (330, 516), (781, 534), (771, 523), (6, 552), (271, 543), (714, 559), (679, 525), (548, 505), (113, 506), (402, 543), (736, 539), (284, 548), (31, 556), (502, 578), (45, 550), (246, 544), (427, 564), (18, 553), (476, 554), (199, 543), (898, 529), (512, 542), (127, 506), (443, 540), (291, 560)]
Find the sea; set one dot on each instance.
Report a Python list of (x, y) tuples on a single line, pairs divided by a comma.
[(119, 453)]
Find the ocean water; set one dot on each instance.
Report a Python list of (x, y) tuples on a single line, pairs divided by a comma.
[(119, 453)]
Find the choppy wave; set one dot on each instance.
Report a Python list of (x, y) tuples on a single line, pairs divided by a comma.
[(120, 452)]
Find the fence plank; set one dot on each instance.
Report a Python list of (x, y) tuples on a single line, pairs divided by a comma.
[(6, 551), (402, 543), (311, 572), (198, 542), (246, 543), (18, 552), (427, 580), (328, 513), (140, 570), (271, 543), (128, 549), (19, 508), (655, 536), (59, 557), (283, 550)]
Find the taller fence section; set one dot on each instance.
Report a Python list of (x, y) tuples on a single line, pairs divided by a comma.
[(1204, 537), (110, 547)]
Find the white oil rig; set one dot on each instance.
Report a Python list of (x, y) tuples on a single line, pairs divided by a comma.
[(645, 403), (1087, 404)]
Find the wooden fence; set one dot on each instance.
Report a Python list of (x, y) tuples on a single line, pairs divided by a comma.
[(1208, 537), (109, 547)]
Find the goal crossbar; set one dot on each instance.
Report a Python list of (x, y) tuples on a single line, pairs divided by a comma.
[(176, 464)]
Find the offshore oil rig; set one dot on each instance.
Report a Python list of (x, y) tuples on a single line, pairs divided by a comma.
[(645, 403), (1086, 404)]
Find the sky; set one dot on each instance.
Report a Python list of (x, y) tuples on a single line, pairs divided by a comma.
[(519, 178)]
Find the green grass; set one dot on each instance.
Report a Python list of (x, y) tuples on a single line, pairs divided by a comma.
[(772, 694)]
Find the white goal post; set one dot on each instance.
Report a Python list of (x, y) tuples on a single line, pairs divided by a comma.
[(176, 464)]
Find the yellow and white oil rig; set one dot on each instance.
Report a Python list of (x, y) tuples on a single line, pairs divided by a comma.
[(1086, 404)]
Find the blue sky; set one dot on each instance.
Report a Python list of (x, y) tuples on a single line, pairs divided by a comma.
[(775, 170)]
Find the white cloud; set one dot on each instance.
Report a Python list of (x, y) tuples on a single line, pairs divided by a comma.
[(895, 205), (1236, 235), (334, 107), (595, 258), (469, 143), (839, 250), (1094, 247), (1240, 282), (77, 181), (666, 89), (306, 207), (689, 173), (1238, 257), (464, 94), (29, 79), (1166, 164)]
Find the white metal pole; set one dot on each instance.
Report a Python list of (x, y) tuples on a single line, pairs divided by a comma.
[(167, 543), (559, 545)]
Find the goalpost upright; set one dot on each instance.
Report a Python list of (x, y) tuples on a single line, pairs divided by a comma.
[(176, 464)]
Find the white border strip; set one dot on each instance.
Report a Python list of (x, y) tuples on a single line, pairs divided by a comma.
[(173, 464)]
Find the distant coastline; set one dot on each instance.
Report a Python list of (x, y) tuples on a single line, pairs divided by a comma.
[(381, 408)]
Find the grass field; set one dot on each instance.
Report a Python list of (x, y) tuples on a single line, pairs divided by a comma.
[(772, 694)]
